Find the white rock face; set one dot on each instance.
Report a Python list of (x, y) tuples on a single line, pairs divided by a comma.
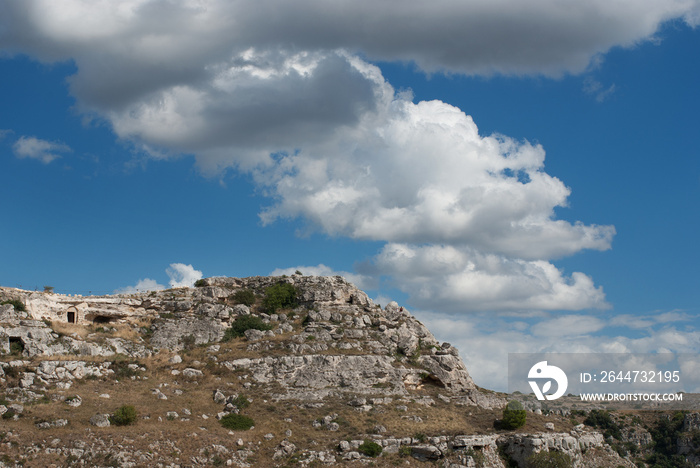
[(347, 344)]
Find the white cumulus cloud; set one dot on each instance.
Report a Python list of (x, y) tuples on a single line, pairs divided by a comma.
[(422, 173), (182, 276), (485, 340), (143, 285), (286, 92), (458, 279), (42, 150)]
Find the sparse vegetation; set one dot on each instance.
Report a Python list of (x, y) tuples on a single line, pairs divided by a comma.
[(240, 402), (122, 367), (245, 297), (188, 342), (237, 422), (601, 419), (478, 457), (280, 296), (124, 416), (369, 448), (177, 415), (549, 460), (514, 416), (200, 283), (665, 435), (244, 323), (17, 304)]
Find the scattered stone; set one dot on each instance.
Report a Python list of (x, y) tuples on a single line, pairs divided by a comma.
[(177, 359), (219, 397), (284, 449), (100, 420), (191, 373), (74, 401), (50, 424)]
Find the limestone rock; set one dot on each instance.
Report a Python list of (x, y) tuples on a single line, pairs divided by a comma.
[(100, 420), (174, 334)]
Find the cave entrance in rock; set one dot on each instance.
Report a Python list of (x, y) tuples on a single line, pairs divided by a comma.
[(71, 317), (16, 345), (102, 319)]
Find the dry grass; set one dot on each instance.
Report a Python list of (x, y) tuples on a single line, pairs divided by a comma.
[(178, 440)]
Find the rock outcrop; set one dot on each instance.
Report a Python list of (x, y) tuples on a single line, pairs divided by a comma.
[(328, 375)]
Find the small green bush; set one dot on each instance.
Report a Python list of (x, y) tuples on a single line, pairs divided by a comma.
[(16, 303), (240, 402), (549, 460), (244, 296), (244, 323), (514, 415), (369, 448), (280, 296), (200, 283), (122, 370), (123, 416), (237, 422)]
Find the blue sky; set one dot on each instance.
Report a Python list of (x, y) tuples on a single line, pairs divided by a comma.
[(524, 179)]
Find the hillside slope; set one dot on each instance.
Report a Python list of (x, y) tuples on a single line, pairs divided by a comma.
[(322, 372)]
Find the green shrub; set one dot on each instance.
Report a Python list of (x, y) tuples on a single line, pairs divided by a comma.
[(200, 283), (244, 323), (237, 422), (17, 304), (514, 415), (601, 419), (369, 448), (549, 460), (123, 416), (240, 402), (244, 296), (121, 368), (280, 296)]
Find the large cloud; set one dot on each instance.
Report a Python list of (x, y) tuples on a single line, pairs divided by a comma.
[(458, 280), (278, 89), (486, 339), (422, 173), (171, 41)]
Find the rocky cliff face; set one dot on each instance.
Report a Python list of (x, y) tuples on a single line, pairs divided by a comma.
[(321, 377)]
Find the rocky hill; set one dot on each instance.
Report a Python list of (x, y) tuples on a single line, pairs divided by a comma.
[(261, 371)]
